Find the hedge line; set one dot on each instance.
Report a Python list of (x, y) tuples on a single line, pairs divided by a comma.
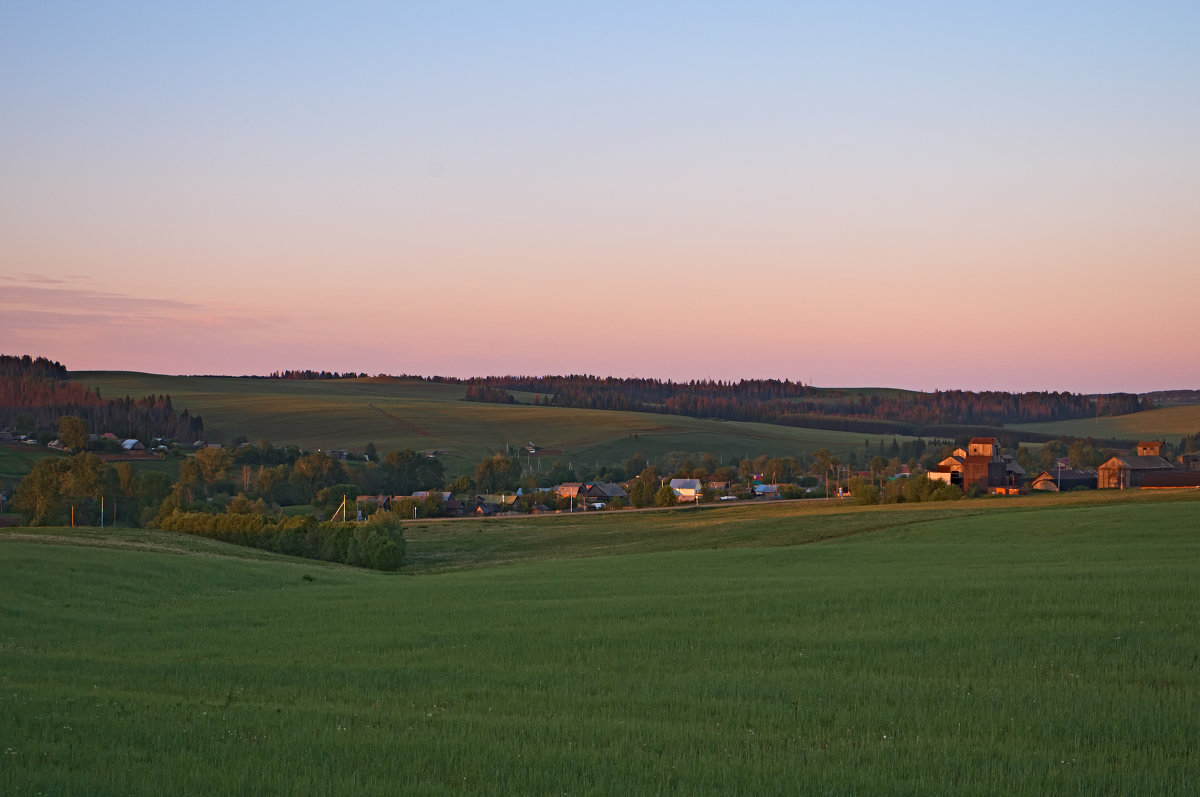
[(377, 543)]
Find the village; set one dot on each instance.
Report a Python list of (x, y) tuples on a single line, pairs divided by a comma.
[(981, 468), (340, 487)]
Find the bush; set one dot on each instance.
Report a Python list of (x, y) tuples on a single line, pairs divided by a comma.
[(377, 543), (947, 492), (866, 494)]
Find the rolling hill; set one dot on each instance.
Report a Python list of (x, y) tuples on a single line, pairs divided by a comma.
[(1164, 423), (425, 416), (1028, 647)]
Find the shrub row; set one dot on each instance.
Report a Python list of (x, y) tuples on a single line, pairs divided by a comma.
[(377, 543)]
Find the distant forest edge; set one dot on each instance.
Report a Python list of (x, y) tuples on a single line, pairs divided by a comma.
[(948, 413), (35, 393)]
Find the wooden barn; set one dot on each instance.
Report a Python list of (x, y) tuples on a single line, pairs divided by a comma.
[(1063, 480), (950, 469), (1128, 470), (602, 491), (1170, 480), (983, 466)]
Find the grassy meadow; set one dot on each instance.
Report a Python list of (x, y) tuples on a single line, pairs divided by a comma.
[(396, 414), (1166, 423), (1036, 646), (16, 460)]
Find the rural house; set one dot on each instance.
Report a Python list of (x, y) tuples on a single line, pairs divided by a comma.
[(602, 491), (686, 489), (767, 491), (569, 489)]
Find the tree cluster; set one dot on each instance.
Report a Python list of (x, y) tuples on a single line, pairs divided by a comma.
[(796, 404), (35, 393), (378, 543), (486, 393), (308, 374)]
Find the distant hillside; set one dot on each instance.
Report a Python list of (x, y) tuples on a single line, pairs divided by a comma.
[(876, 411), (1168, 423), (781, 401), (426, 415), (1166, 398)]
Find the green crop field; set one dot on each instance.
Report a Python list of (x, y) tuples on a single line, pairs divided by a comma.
[(1039, 646), (17, 459), (392, 413), (1167, 423)]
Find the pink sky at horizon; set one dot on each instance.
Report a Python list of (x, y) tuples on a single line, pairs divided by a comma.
[(674, 191)]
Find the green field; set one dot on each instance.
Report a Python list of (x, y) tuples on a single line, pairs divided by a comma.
[(396, 414), (16, 460), (1167, 423), (1039, 646)]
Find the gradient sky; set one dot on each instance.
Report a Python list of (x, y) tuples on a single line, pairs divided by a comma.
[(921, 195)]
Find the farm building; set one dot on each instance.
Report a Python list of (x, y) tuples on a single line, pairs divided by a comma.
[(133, 445), (983, 466), (950, 469), (1014, 474), (1128, 470), (602, 491), (1188, 462), (1170, 480), (768, 491), (377, 501), (1062, 480), (568, 489)]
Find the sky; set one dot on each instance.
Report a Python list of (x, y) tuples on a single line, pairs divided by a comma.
[(920, 195)]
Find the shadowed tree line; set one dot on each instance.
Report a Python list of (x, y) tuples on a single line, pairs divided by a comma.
[(35, 394)]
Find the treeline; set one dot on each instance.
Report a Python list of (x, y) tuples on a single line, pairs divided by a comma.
[(225, 497), (378, 543), (485, 393), (35, 393), (307, 374), (785, 402), (17, 367), (796, 404)]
